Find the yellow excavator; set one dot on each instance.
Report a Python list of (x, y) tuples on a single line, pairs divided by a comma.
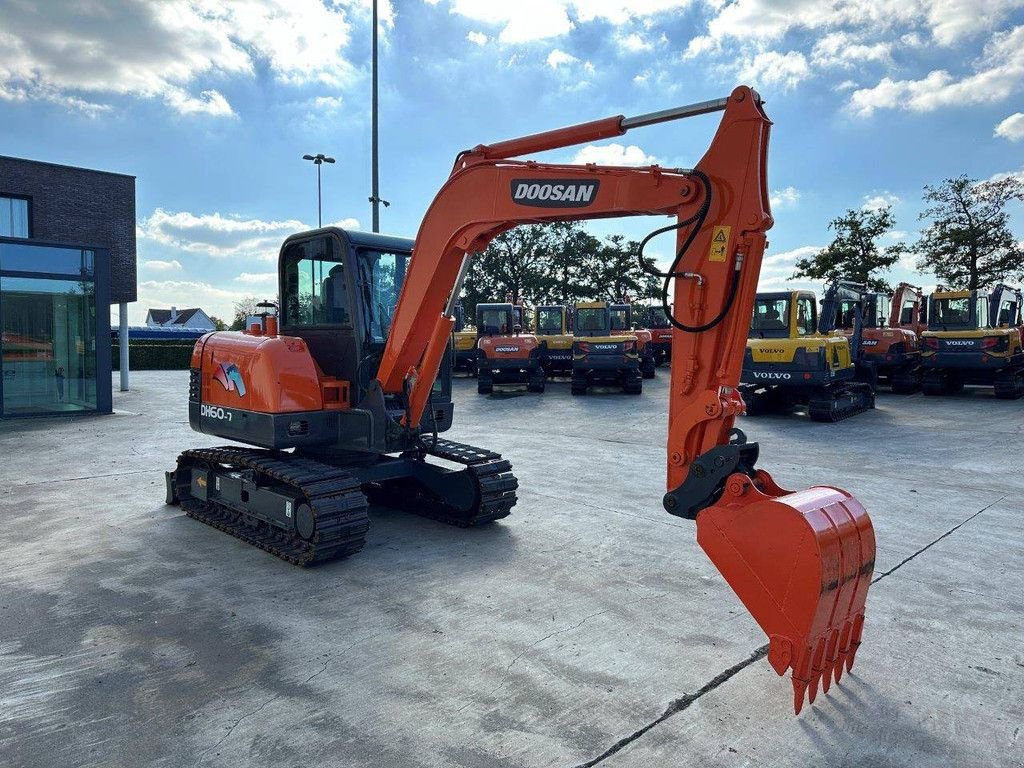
[(974, 338), (790, 362), (464, 339), (555, 333)]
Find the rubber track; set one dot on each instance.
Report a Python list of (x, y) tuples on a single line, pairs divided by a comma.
[(334, 495), (496, 487), (827, 410)]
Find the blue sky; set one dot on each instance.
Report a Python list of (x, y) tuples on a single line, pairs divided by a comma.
[(212, 104)]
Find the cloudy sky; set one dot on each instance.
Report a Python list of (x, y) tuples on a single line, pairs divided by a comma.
[(212, 104)]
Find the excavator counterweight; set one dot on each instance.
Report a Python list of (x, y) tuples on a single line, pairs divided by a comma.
[(346, 395)]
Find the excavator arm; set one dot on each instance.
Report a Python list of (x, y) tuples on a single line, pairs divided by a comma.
[(800, 562)]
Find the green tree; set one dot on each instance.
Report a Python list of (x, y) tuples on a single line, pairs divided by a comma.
[(968, 242), (535, 263), (243, 308), (218, 324), (613, 271), (854, 253)]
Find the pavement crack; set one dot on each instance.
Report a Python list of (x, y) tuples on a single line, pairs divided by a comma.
[(235, 724), (935, 541), (683, 702), (679, 705)]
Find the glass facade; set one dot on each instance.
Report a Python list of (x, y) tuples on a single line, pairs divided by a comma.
[(54, 329)]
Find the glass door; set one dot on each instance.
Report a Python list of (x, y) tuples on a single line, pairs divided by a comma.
[(48, 345)]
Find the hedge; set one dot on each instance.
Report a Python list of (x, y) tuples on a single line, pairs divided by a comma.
[(155, 354)]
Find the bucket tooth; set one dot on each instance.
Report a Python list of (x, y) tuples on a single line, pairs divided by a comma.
[(801, 563), (799, 686)]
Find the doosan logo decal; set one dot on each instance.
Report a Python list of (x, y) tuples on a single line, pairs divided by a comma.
[(770, 375), (506, 349), (869, 342), (555, 193)]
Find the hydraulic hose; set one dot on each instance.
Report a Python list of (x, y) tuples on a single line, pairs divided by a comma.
[(697, 220)]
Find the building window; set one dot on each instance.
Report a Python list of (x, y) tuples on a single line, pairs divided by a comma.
[(14, 215)]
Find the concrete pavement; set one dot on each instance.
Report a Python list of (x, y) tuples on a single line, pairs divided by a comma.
[(131, 635)]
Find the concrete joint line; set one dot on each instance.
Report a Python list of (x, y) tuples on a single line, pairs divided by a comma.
[(684, 702)]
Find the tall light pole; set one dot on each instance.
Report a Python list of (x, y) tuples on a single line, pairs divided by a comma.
[(375, 199), (318, 160)]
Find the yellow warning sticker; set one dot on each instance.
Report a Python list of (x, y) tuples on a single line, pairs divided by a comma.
[(719, 243)]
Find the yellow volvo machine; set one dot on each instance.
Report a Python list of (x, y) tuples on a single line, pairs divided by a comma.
[(974, 338), (788, 362), (555, 333), (601, 356), (464, 342)]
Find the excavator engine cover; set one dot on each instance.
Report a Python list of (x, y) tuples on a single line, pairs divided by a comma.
[(801, 562)]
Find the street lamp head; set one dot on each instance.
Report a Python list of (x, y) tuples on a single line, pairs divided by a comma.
[(308, 157), (327, 159)]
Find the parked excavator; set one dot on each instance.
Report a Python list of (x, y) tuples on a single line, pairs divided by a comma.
[(603, 355), (344, 396), (655, 319), (790, 361), (554, 330), (622, 322), (909, 309), (506, 353), (974, 338), (889, 354)]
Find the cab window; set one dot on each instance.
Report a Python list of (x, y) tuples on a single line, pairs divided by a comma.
[(316, 288), (806, 316), (1005, 313), (382, 276), (591, 320), (907, 312), (951, 313), (620, 319), (549, 321), (770, 317), (656, 318), (982, 313), (494, 321)]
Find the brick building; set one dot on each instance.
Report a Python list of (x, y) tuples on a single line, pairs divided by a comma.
[(67, 252)]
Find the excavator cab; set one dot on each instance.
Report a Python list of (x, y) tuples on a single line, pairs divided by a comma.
[(505, 353), (622, 322), (974, 338), (603, 355), (792, 359), (890, 355), (555, 336)]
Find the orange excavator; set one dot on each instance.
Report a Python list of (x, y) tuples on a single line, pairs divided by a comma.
[(343, 396)]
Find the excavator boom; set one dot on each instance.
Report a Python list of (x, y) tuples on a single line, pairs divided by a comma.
[(801, 562)]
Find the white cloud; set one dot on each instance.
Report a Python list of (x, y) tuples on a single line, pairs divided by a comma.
[(167, 50), (770, 68), (214, 300), (479, 38), (784, 198), (614, 154), (162, 266), (216, 235), (777, 268), (526, 21), (997, 74), (559, 58), (764, 21), (1011, 128), (841, 49), (257, 278), (634, 43), (876, 202)]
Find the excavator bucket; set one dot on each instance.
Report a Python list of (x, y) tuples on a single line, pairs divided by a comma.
[(801, 563)]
